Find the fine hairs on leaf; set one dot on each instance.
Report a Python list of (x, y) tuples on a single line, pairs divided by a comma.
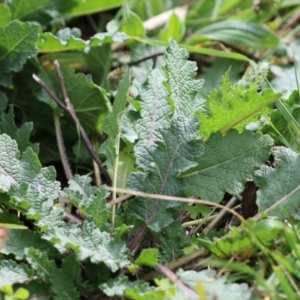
[(166, 145)]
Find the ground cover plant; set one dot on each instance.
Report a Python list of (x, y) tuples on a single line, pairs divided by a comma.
[(148, 153)]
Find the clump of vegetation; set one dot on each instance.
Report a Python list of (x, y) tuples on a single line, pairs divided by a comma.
[(149, 159)]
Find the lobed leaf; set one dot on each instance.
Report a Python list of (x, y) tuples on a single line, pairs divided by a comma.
[(91, 202), (61, 285), (234, 106), (89, 242), (161, 162), (227, 163), (280, 188), (155, 110), (19, 240), (182, 86), (11, 273)]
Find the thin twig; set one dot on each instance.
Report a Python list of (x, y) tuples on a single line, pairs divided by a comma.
[(170, 198), (139, 60), (73, 218), (219, 216), (95, 166), (61, 147), (74, 118), (168, 273)]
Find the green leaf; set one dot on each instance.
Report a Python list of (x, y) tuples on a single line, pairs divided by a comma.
[(171, 242), (71, 268), (215, 286), (19, 240), (237, 33), (41, 11), (112, 123), (181, 84), (5, 15), (280, 188), (11, 273), (89, 100), (20, 135), (219, 168), (173, 29), (235, 106), (118, 285), (17, 44), (125, 167), (15, 170), (61, 285), (131, 23), (196, 49), (175, 151), (90, 201), (148, 257), (212, 75), (240, 243), (76, 8), (89, 242), (48, 42), (29, 186), (21, 293)]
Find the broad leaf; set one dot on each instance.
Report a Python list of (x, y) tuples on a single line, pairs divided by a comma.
[(11, 273), (227, 163), (182, 86), (213, 74), (89, 101), (280, 188), (5, 15), (174, 28), (15, 170), (41, 11), (89, 242), (48, 42), (19, 240), (161, 162), (91, 202), (29, 186), (7, 125), (155, 109), (215, 287), (17, 44), (131, 23), (61, 285)]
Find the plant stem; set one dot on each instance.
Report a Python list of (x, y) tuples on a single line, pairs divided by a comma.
[(61, 147)]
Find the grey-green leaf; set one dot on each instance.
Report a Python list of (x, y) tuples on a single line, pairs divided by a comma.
[(227, 163), (182, 86), (280, 188)]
